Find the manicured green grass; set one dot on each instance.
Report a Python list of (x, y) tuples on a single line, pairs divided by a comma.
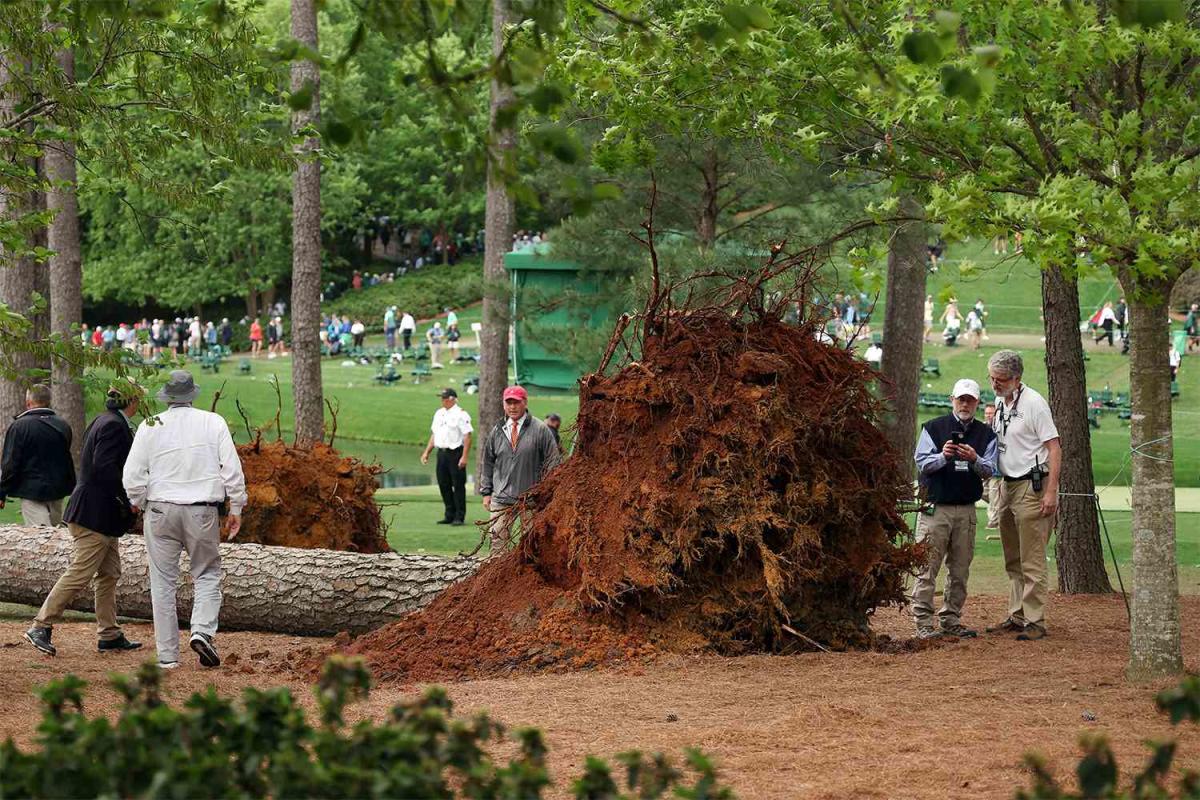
[(1011, 288), (367, 411), (1110, 443)]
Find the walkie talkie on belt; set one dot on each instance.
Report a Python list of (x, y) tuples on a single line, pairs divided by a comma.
[(1038, 472)]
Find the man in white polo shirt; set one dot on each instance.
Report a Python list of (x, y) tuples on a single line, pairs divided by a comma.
[(1030, 458), (451, 435)]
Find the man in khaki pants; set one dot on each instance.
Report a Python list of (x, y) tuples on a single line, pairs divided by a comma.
[(1030, 458), (955, 454), (98, 514)]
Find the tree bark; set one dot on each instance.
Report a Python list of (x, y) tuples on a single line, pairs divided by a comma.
[(282, 589), (903, 326), (1078, 551), (66, 275), (1154, 638), (498, 231), (706, 223), (17, 278), (306, 242)]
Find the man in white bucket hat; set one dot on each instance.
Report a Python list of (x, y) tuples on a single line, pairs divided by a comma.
[(180, 471)]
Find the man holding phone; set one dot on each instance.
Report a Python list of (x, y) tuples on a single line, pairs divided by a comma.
[(955, 454)]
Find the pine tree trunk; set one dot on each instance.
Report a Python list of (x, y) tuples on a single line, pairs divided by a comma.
[(283, 589), (706, 225), (498, 231), (1154, 638), (1078, 549), (306, 242), (17, 278), (66, 275), (903, 326)]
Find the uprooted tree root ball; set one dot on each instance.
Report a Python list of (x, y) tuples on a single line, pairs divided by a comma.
[(311, 498), (729, 493)]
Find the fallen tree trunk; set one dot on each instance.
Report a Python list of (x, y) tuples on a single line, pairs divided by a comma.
[(281, 589)]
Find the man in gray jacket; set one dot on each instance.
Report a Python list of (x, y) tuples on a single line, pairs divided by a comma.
[(516, 454)]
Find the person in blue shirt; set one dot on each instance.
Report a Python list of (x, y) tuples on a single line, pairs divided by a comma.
[(955, 454)]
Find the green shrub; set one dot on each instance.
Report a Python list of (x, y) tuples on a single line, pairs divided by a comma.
[(1097, 772), (264, 747)]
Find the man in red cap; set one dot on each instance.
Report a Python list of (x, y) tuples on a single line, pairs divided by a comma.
[(516, 454)]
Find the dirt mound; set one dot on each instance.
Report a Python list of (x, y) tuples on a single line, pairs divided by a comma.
[(504, 619), (729, 493), (310, 498)]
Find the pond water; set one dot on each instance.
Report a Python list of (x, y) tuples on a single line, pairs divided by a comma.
[(402, 462)]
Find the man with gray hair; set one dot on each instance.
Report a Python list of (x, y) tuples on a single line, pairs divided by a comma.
[(181, 470), (1030, 459), (36, 465)]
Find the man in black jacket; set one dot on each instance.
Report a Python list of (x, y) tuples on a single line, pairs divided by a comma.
[(955, 454), (97, 515), (36, 465)]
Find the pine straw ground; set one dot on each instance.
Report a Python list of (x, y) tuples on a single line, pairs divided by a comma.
[(951, 722)]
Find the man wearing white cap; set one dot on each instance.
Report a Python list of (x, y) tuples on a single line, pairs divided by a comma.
[(180, 471), (955, 454)]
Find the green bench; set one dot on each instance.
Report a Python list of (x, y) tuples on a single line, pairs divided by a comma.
[(244, 366), (931, 367), (1094, 417), (210, 362), (387, 376), (421, 372), (1174, 389)]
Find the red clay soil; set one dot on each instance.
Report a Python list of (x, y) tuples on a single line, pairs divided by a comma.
[(310, 498), (729, 493)]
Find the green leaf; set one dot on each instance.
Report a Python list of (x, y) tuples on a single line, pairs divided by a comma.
[(546, 97), (558, 142), (947, 21), (922, 47), (338, 132), (1148, 13), (302, 98), (743, 18), (988, 55), (962, 83)]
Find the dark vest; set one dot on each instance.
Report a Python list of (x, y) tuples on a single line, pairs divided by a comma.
[(949, 485)]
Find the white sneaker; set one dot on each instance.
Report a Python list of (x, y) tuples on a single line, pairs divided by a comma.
[(168, 665)]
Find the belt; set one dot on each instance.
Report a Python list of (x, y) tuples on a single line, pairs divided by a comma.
[(1027, 476), (451, 449)]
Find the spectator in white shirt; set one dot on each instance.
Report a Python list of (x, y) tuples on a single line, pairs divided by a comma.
[(451, 435), (408, 326), (180, 471)]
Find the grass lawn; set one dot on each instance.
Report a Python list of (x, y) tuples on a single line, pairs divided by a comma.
[(1011, 288)]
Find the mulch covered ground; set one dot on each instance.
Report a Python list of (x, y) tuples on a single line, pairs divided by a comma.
[(948, 722)]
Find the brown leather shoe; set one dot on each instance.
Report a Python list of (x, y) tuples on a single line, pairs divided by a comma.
[(1009, 625), (1032, 633)]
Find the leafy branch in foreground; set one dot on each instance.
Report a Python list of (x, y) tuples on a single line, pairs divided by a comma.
[(264, 746)]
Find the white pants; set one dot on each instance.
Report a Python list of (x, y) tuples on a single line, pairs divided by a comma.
[(169, 530)]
